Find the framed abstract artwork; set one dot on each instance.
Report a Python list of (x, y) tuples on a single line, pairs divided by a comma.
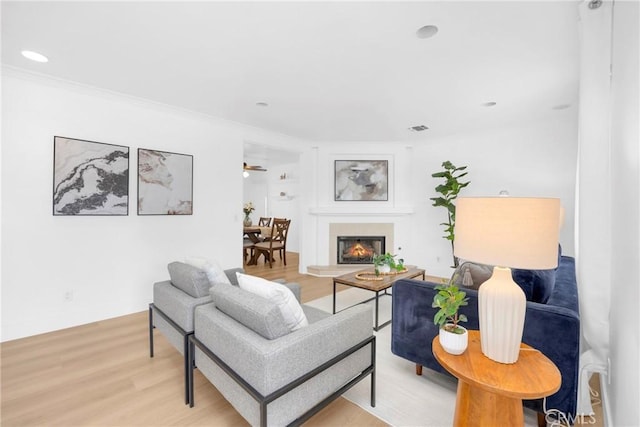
[(165, 183), (89, 178), (361, 180)]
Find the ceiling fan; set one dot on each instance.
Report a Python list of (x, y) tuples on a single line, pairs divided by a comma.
[(247, 167)]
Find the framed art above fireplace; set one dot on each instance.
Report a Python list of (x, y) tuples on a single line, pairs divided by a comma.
[(361, 180)]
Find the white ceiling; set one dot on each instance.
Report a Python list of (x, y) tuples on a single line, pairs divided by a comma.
[(330, 71)]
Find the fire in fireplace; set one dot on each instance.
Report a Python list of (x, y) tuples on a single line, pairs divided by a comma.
[(359, 249)]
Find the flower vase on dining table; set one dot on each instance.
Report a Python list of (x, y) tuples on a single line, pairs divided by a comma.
[(247, 209)]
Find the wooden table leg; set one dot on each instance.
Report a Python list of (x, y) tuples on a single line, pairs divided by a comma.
[(477, 407)]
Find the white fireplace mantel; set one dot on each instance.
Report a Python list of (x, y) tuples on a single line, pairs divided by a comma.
[(364, 211)]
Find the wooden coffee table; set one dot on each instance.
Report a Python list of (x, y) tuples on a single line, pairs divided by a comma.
[(491, 393), (380, 284)]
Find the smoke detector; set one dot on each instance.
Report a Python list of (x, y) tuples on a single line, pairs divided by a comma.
[(418, 128)]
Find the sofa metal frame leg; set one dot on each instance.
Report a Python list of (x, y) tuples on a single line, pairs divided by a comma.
[(151, 330), (191, 367), (185, 345), (187, 362), (373, 374)]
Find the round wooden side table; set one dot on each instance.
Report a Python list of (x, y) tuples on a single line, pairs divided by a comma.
[(491, 393)]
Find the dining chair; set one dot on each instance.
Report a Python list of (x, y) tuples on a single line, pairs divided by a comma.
[(247, 250), (264, 222), (277, 242), (265, 228)]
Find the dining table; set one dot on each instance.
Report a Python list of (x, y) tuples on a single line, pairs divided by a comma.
[(256, 234), (253, 233)]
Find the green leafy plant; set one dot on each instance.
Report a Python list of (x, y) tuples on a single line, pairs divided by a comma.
[(389, 260), (448, 300), (449, 192)]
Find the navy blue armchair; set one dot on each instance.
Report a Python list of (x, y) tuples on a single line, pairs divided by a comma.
[(552, 327)]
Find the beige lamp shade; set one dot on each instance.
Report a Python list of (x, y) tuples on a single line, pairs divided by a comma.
[(506, 232), (512, 232)]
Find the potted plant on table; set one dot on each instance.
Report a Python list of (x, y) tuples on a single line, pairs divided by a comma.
[(384, 263), (453, 337)]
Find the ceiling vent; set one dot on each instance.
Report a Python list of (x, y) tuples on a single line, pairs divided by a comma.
[(418, 128)]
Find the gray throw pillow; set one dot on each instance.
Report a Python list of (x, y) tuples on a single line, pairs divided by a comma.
[(536, 284), (471, 275), (253, 311), (189, 279)]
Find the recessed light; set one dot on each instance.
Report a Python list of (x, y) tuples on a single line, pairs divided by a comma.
[(489, 104), (262, 104), (34, 56), (426, 31)]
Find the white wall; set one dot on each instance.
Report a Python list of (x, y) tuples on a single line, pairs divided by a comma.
[(255, 190), (263, 190), (287, 206), (624, 393), (108, 264), (535, 160), (319, 208), (538, 159)]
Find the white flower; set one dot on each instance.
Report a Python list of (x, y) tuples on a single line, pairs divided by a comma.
[(248, 208)]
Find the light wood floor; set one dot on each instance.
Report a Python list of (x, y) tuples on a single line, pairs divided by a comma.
[(100, 374)]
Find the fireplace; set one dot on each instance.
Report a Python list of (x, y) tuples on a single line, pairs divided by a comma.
[(359, 249)]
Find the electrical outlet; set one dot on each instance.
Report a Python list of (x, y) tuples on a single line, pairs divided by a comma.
[(68, 296)]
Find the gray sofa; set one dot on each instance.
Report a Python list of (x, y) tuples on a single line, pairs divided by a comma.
[(272, 376), (174, 303)]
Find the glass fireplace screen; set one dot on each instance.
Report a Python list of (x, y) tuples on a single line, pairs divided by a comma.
[(359, 249)]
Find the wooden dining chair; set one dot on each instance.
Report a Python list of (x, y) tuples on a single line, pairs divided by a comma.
[(277, 242), (248, 250), (264, 222)]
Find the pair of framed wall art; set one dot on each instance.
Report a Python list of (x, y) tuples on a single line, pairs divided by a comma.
[(92, 178)]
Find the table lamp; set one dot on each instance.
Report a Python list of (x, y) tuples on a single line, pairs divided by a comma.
[(507, 232)]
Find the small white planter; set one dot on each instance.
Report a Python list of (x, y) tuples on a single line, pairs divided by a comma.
[(384, 268), (454, 343)]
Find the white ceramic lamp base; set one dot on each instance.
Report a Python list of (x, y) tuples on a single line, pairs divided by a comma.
[(501, 310)]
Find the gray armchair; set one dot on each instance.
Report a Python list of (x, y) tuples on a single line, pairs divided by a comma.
[(174, 303), (272, 376)]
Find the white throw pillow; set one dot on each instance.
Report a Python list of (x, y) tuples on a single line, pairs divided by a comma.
[(214, 272), (278, 294)]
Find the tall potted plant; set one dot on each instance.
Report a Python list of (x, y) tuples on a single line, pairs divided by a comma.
[(449, 192), (452, 336)]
